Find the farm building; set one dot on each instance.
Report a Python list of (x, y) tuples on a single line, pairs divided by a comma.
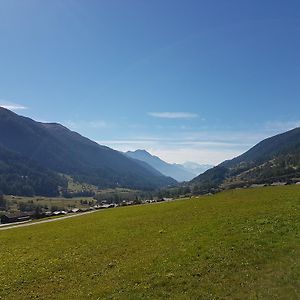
[(16, 217)]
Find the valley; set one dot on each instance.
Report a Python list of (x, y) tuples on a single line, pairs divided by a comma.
[(149, 150)]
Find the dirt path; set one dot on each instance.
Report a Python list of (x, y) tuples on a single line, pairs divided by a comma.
[(10, 226)]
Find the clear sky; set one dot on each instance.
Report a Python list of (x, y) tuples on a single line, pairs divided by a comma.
[(187, 80)]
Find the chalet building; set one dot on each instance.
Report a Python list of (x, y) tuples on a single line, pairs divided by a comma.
[(17, 217)]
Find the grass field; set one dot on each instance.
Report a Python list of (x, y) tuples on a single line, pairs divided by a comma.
[(241, 244), (59, 203)]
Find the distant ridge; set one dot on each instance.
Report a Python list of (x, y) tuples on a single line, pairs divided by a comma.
[(56, 148), (179, 172)]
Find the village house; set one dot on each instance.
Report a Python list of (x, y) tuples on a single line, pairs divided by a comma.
[(15, 217)]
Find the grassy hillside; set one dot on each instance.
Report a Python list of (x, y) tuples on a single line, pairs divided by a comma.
[(241, 244), (14, 203)]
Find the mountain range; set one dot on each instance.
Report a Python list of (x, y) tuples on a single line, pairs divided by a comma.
[(275, 159), (54, 148), (35, 156), (184, 172)]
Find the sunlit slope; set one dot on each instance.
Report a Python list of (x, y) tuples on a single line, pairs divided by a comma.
[(275, 159), (241, 244)]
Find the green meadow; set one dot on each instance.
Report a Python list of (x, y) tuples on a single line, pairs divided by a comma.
[(47, 203), (239, 244)]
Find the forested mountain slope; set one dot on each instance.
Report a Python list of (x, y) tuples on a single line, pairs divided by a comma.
[(59, 149), (274, 159)]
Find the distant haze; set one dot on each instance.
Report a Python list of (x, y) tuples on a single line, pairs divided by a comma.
[(176, 154)]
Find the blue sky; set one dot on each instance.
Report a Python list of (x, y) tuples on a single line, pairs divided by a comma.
[(186, 80)]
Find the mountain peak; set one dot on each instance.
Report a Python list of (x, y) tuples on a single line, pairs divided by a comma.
[(140, 151), (141, 154), (6, 111), (176, 171)]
